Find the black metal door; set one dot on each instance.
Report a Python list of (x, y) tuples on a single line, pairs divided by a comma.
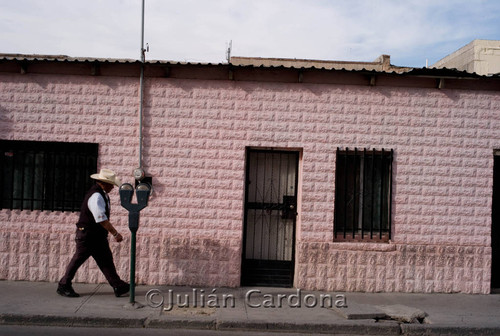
[(495, 225), (270, 214)]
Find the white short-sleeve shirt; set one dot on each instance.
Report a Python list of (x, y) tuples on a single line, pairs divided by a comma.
[(97, 206)]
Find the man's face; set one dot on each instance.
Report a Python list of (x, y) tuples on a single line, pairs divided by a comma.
[(107, 187)]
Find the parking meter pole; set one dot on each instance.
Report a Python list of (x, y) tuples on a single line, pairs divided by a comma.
[(132, 267), (133, 224), (126, 192)]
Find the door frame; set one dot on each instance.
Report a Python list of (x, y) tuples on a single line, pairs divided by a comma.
[(495, 223), (298, 156)]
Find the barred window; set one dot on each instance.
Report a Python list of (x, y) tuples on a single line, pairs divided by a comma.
[(363, 195), (53, 176)]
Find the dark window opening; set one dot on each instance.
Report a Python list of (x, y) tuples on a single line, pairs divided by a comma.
[(363, 193), (54, 176)]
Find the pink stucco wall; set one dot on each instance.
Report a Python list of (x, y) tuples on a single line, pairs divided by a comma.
[(196, 133)]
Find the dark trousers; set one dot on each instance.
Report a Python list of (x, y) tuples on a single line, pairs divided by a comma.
[(97, 247)]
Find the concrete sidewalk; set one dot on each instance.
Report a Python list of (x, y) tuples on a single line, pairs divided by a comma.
[(37, 303)]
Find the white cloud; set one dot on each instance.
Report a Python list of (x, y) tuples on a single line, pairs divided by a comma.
[(199, 30)]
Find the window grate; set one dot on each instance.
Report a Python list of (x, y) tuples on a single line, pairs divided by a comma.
[(38, 175), (363, 193)]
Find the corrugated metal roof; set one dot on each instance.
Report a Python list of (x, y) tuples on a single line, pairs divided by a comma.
[(427, 72), (61, 58), (443, 73), (64, 58)]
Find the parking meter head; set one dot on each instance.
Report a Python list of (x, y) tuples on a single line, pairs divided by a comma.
[(142, 193), (126, 194)]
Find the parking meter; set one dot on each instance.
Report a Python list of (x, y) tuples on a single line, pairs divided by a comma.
[(142, 193), (126, 193)]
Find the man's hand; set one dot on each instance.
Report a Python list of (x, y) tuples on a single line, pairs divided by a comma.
[(110, 228)]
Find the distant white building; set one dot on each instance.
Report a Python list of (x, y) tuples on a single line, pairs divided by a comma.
[(479, 56)]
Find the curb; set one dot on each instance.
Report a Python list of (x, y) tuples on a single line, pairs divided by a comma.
[(344, 329), (210, 323), (70, 321), (204, 323), (439, 330), (201, 323)]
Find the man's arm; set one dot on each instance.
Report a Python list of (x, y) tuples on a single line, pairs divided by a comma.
[(97, 206), (111, 229)]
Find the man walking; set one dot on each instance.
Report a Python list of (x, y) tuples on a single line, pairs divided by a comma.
[(92, 236)]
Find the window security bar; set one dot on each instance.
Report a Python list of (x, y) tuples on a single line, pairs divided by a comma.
[(363, 193), (51, 176)]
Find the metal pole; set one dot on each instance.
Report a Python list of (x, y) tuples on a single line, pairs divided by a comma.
[(141, 86), (133, 217), (132, 267)]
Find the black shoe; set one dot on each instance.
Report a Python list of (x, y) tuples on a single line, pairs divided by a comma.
[(67, 291), (123, 289)]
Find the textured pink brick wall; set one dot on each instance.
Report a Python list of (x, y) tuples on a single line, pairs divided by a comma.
[(196, 133)]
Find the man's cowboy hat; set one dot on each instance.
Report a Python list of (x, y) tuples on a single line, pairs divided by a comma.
[(108, 176)]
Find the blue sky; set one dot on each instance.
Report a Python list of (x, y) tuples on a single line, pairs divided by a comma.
[(411, 31)]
